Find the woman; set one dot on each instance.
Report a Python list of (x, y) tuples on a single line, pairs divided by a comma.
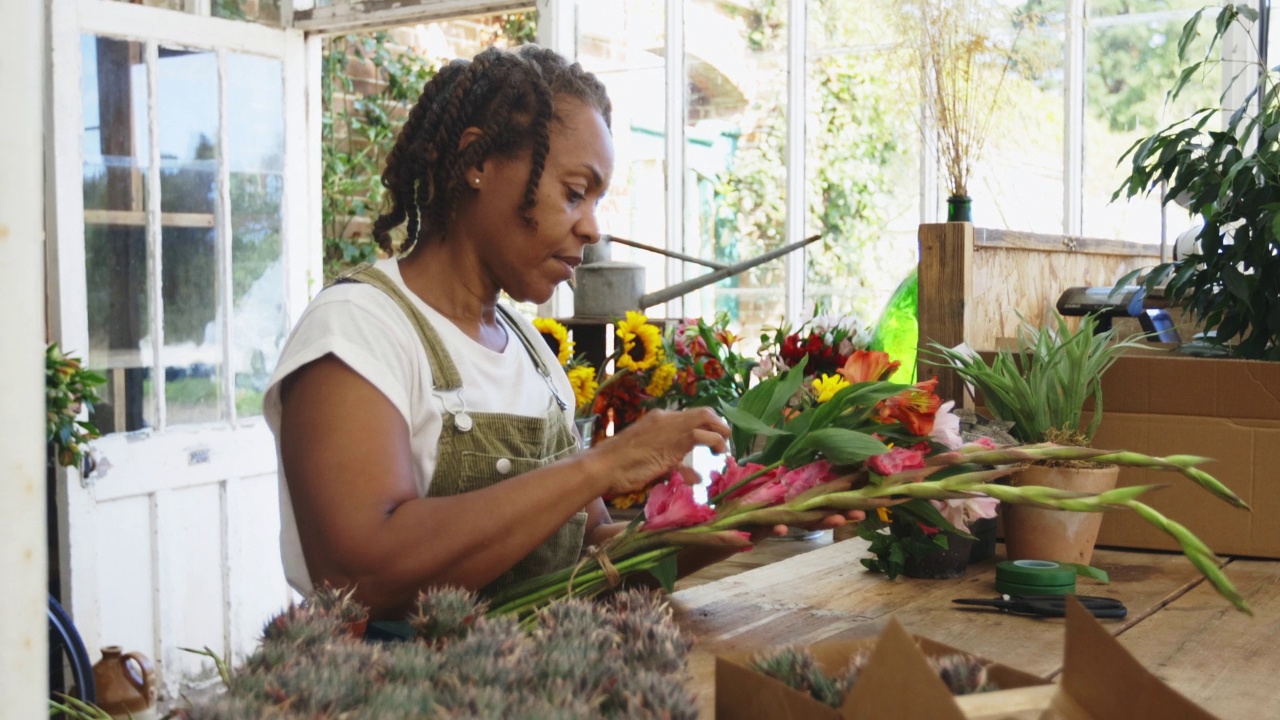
[(425, 431)]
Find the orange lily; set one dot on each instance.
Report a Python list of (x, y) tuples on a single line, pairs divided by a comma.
[(914, 408), (867, 365)]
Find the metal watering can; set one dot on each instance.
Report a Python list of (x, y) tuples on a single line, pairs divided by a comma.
[(604, 289)]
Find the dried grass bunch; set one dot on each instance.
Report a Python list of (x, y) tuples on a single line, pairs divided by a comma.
[(960, 53)]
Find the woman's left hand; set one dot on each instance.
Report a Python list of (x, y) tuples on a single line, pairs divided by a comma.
[(826, 523)]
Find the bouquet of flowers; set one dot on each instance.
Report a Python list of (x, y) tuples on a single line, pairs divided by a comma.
[(707, 369), (796, 462), (824, 342)]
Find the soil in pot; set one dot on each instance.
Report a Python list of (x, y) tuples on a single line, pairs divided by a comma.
[(1067, 537)]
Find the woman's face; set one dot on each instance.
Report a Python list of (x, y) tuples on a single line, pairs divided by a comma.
[(529, 262)]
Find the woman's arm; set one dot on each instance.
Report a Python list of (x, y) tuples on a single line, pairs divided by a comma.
[(348, 463)]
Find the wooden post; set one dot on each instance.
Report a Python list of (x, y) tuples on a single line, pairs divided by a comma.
[(946, 285), (23, 546)]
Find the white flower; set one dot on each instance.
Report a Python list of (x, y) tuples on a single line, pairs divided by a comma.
[(962, 511), (946, 427)]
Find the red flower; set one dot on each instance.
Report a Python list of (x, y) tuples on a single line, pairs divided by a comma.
[(927, 529), (734, 473), (807, 477), (687, 379), (899, 459), (867, 365), (712, 369), (671, 505), (914, 408)]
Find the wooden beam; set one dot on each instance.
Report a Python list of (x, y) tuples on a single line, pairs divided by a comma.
[(139, 218), (372, 14), (1014, 240), (946, 283)]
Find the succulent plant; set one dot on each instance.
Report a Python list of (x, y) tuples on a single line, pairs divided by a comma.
[(339, 602), (621, 657)]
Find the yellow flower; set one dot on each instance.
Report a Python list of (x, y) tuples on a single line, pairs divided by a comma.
[(583, 380), (636, 329), (556, 331), (883, 512), (661, 381), (622, 502), (827, 386)]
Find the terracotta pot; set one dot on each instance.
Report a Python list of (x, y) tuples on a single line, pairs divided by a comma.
[(126, 684), (1040, 534)]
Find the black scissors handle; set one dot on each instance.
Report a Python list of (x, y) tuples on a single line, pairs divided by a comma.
[(1050, 605)]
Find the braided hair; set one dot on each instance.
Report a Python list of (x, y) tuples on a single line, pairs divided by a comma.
[(509, 95)]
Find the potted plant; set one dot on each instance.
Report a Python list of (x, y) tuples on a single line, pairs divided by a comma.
[(340, 603), (1043, 388), (959, 67), (1227, 176), (69, 390)]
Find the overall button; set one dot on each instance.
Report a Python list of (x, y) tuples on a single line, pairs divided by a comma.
[(503, 466)]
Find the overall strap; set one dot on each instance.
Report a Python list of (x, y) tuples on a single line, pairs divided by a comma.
[(444, 374), (514, 324)]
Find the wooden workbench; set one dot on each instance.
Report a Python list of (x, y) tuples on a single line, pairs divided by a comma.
[(1178, 627)]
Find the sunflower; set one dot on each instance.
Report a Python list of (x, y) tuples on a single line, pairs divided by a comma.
[(583, 380), (661, 380), (557, 336), (639, 338)]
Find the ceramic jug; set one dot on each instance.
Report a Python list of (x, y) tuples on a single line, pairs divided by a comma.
[(126, 684)]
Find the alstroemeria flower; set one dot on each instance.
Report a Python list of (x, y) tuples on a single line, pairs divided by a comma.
[(914, 408), (806, 477), (867, 365), (961, 512), (733, 473), (826, 386), (946, 427), (671, 505), (899, 459)]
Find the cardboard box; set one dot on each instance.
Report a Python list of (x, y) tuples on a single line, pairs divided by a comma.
[(1100, 681), (1158, 403)]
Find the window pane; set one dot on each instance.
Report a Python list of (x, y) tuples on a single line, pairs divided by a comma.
[(255, 156), (187, 115), (115, 149), (1131, 64), (262, 11), (622, 43), (1018, 180), (736, 171), (862, 174)]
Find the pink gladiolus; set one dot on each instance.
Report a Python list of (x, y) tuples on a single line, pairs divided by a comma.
[(961, 512), (946, 427), (769, 493), (986, 442), (733, 474), (806, 478), (899, 459), (671, 505)]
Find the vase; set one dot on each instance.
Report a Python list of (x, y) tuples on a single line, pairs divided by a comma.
[(984, 544), (1032, 533), (960, 208), (942, 563), (125, 684), (586, 430)]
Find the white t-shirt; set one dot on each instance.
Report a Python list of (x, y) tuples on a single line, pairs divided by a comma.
[(362, 326)]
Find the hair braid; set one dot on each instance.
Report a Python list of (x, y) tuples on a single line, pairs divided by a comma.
[(510, 97)]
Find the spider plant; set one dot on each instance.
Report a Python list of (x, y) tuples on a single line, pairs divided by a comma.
[(1042, 386)]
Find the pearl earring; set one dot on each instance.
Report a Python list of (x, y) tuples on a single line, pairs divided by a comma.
[(476, 180)]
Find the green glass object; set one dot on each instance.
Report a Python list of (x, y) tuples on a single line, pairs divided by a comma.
[(897, 333), (959, 209)]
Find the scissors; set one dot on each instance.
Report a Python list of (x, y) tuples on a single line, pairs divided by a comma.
[(1050, 605)]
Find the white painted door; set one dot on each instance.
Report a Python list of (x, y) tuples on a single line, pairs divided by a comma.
[(180, 254)]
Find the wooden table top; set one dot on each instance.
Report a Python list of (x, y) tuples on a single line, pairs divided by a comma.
[(1178, 627)]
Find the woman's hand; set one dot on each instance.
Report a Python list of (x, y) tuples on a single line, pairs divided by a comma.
[(655, 446)]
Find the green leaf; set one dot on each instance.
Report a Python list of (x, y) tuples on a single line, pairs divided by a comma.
[(1189, 33), (665, 572), (838, 445), (1236, 283), (740, 419), (1090, 572)]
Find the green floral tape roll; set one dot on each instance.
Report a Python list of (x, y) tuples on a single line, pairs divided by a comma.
[(1011, 588), (1035, 573)]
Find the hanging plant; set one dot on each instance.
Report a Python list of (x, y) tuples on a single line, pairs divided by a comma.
[(69, 389)]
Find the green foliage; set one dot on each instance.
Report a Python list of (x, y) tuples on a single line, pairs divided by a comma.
[(903, 538), (1230, 178), (68, 389), (1043, 388), (359, 125)]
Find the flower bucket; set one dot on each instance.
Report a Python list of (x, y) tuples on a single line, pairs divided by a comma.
[(1068, 537)]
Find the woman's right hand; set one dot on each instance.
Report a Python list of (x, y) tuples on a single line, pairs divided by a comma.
[(655, 445)]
